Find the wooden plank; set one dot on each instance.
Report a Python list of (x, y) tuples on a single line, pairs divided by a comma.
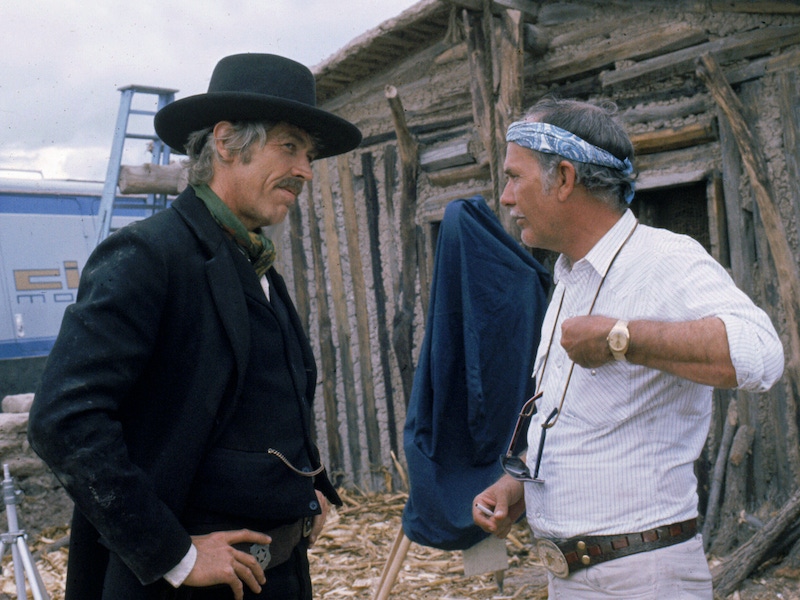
[(403, 325), (717, 219), (449, 177), (299, 265), (336, 466), (728, 49), (684, 107), (674, 138), (342, 321), (756, 6), (785, 61), (372, 201), (510, 47), (641, 44), (362, 321), (444, 156), (741, 260), (481, 87), (756, 167)]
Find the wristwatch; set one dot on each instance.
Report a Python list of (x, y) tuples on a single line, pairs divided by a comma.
[(619, 338)]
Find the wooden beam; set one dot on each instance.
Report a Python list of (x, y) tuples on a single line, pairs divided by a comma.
[(372, 430), (756, 6), (342, 321), (756, 167), (443, 156), (674, 138), (481, 86), (643, 42), (372, 202), (448, 177), (403, 325), (728, 49)]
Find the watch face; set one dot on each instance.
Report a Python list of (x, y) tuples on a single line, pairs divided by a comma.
[(616, 340)]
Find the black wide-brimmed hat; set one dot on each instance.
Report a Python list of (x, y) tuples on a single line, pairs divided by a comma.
[(257, 87)]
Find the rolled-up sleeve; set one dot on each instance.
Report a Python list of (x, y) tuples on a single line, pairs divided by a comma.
[(756, 350)]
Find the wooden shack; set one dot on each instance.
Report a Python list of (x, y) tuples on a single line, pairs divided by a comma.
[(708, 90)]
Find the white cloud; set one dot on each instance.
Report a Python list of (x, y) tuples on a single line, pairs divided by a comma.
[(63, 61)]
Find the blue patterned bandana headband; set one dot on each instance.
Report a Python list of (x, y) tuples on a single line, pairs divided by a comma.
[(550, 139)]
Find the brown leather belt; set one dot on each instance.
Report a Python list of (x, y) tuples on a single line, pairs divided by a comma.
[(562, 557)]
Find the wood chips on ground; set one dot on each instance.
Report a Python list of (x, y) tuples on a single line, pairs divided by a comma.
[(349, 557)]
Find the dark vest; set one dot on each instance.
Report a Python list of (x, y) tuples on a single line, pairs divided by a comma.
[(244, 480)]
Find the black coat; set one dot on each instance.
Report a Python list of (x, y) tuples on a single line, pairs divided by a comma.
[(147, 367)]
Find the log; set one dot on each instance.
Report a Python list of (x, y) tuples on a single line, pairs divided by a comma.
[(372, 202), (342, 321), (336, 466), (756, 6), (643, 43), (729, 49), (729, 428), (299, 265), (169, 179), (481, 85), (448, 177), (737, 567), (362, 321), (674, 138), (403, 324), (756, 167), (729, 530), (510, 45), (453, 154)]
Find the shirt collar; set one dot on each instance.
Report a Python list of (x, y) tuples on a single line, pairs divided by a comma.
[(603, 252)]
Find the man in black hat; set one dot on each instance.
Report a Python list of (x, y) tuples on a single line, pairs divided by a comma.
[(175, 406)]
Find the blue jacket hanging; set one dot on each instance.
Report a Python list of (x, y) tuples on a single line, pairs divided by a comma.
[(487, 302)]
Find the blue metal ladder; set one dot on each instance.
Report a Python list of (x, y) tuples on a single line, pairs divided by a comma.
[(109, 201)]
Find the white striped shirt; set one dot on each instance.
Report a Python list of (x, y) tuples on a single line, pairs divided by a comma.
[(621, 457)]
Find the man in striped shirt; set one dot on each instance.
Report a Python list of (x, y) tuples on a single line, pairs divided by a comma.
[(642, 325)]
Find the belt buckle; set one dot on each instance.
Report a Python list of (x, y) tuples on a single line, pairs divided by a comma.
[(261, 554), (552, 558)]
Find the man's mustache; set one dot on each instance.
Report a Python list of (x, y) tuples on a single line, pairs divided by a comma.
[(293, 184)]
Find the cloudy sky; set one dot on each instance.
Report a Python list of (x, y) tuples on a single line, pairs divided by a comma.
[(62, 62)]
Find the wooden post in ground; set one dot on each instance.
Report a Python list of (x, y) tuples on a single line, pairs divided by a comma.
[(342, 321), (362, 320), (755, 164), (403, 325), (336, 468)]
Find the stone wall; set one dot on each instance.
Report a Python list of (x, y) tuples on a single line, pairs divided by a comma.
[(43, 503)]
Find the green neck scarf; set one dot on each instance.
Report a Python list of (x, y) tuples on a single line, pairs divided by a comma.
[(257, 247)]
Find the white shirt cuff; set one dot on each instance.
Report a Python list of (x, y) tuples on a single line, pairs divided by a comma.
[(178, 574)]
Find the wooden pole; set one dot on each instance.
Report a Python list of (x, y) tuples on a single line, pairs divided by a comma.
[(362, 320), (719, 473), (509, 102), (342, 321), (736, 568), (755, 164), (373, 230), (327, 350), (403, 325), (481, 89)]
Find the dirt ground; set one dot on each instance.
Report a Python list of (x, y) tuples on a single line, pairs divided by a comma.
[(349, 557)]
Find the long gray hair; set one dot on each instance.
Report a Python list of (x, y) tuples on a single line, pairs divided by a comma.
[(239, 140)]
